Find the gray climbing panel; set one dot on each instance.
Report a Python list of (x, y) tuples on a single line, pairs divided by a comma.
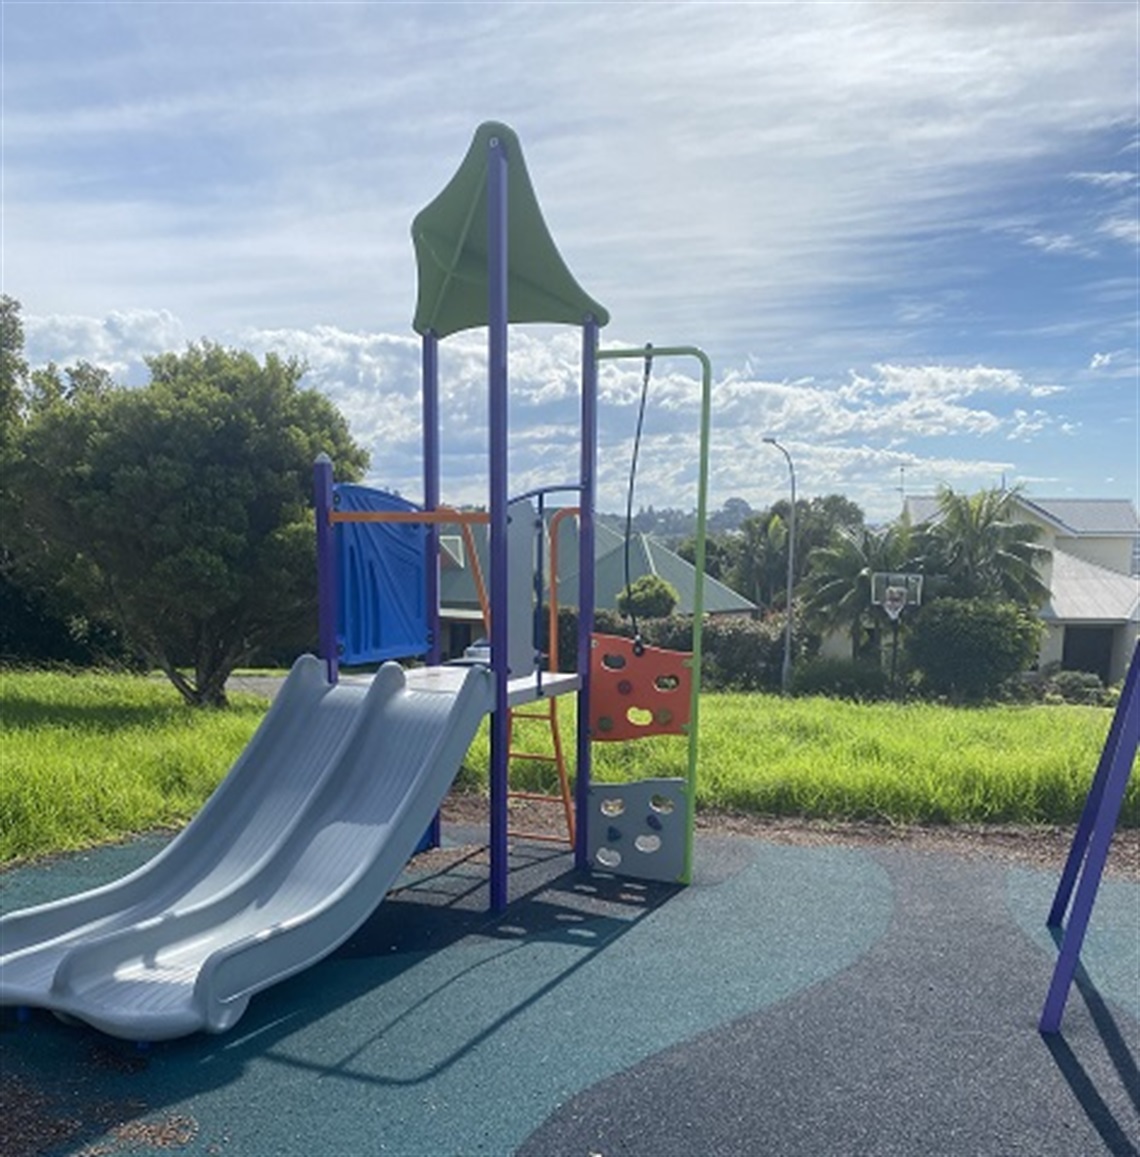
[(639, 829)]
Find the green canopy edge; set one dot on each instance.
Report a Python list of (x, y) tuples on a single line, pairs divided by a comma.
[(450, 240)]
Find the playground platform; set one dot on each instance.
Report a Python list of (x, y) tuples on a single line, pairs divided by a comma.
[(794, 1000)]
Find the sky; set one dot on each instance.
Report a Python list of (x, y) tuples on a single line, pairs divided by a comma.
[(905, 234)]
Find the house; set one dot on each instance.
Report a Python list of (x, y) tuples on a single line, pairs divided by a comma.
[(462, 619), (1092, 617)]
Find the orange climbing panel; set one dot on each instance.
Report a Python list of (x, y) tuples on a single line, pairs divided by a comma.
[(637, 690)]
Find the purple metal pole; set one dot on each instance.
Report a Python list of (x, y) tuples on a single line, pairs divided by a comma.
[(430, 374), (430, 382), (587, 482), (497, 315), (1094, 801), (326, 564), (1120, 749)]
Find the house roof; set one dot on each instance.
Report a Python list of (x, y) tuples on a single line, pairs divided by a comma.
[(647, 556), (1073, 516), (1084, 592), (1099, 516)]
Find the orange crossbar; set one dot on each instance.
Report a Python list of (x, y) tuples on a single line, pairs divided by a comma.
[(443, 514)]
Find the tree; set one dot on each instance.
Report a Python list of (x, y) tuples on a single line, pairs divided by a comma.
[(13, 371), (977, 548), (648, 597), (967, 648), (838, 583), (761, 565), (721, 552), (182, 508)]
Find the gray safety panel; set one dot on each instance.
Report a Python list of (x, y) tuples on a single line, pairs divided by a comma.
[(639, 829)]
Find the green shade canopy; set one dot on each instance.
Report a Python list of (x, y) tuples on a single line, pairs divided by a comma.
[(450, 239)]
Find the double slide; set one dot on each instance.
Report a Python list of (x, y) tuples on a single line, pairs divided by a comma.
[(289, 856)]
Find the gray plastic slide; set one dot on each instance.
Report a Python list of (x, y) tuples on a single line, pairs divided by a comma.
[(288, 857)]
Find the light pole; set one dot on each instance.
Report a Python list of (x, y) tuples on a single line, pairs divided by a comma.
[(786, 669)]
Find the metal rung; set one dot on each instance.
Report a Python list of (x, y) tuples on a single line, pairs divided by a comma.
[(545, 756), (534, 796)]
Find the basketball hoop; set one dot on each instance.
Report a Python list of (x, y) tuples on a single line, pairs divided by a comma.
[(894, 600), (895, 592)]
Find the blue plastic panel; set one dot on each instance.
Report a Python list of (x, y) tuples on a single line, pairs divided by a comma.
[(381, 581)]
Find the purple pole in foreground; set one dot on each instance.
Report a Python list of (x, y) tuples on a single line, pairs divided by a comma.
[(430, 373), (430, 383), (1096, 830), (497, 316), (587, 482), (326, 564)]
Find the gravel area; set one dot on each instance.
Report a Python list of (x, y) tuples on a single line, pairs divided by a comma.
[(1045, 847)]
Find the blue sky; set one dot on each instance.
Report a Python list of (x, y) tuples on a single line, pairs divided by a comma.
[(906, 234)]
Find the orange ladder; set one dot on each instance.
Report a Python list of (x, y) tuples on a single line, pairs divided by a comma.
[(546, 710)]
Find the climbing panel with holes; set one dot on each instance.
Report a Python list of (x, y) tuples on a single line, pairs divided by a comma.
[(637, 691), (638, 829)]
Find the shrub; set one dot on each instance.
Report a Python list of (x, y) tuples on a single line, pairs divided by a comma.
[(966, 649), (841, 679), (649, 597), (738, 654), (1077, 687)]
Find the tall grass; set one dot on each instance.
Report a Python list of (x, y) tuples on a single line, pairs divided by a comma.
[(87, 758), (903, 763)]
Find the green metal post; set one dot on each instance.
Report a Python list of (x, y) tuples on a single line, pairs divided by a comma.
[(699, 589)]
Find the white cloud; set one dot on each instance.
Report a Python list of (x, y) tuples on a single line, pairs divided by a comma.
[(1124, 227), (118, 342), (1111, 180)]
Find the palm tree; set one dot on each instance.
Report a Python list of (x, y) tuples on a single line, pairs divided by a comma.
[(978, 547), (838, 583), (761, 563)]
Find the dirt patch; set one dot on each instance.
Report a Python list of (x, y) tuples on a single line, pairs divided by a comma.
[(33, 1121), (1045, 847)]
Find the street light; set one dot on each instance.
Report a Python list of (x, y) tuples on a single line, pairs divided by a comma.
[(786, 669)]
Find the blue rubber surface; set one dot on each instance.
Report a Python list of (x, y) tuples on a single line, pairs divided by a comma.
[(792, 1000)]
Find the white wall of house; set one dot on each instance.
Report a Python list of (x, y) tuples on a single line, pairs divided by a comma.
[(1114, 553)]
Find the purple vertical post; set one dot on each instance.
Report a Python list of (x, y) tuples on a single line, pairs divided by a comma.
[(1105, 800), (430, 382), (326, 564), (497, 316), (586, 499), (1094, 801), (430, 374)]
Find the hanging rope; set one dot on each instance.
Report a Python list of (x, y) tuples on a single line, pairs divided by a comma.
[(637, 643)]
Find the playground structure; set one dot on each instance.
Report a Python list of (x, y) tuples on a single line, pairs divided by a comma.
[(319, 815), (486, 259)]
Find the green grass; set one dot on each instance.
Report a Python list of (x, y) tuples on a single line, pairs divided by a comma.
[(89, 758), (901, 763)]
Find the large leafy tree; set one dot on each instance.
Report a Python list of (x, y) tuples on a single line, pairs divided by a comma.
[(977, 547), (182, 507), (13, 372)]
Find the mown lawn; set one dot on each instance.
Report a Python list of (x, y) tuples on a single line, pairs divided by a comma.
[(87, 758)]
